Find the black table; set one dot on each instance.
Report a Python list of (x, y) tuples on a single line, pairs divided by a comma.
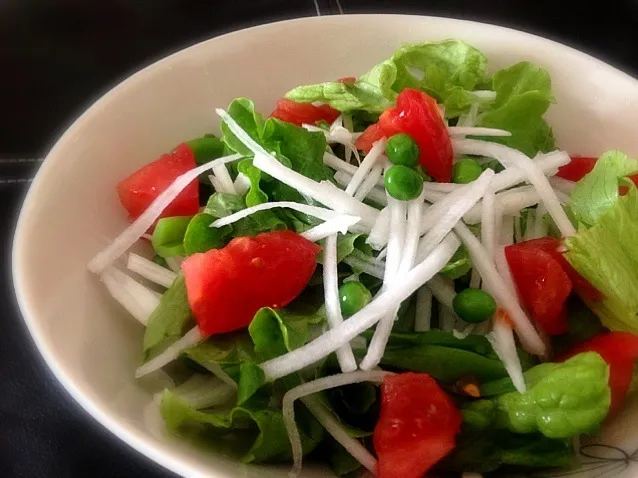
[(57, 56)]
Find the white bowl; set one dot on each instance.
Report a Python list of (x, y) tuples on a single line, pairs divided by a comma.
[(71, 210)]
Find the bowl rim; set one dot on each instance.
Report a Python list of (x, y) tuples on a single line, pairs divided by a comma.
[(102, 416)]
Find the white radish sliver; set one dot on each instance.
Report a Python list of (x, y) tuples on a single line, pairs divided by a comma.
[(476, 131), (217, 184), (350, 444), (366, 165), (511, 202), (338, 164), (447, 318), (510, 157), (373, 193), (472, 193), (548, 163), (139, 301), (149, 270), (318, 212), (502, 340), (563, 185), (541, 228), (241, 184), (364, 266), (218, 371), (423, 314), (412, 229), (132, 233), (443, 290), (488, 222), (396, 243), (331, 226), (221, 173), (345, 357), (383, 304), (378, 236), (172, 352), (369, 183), (506, 236), (503, 268), (500, 291)]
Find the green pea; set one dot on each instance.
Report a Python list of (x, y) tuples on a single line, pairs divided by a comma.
[(465, 171), (353, 296), (474, 305), (402, 149), (403, 183)]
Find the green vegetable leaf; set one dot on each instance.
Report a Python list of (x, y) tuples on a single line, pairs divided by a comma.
[(276, 332), (445, 357), (341, 461), (251, 378), (200, 237), (371, 92), (168, 236), (262, 432), (606, 255), (446, 70), (488, 450), (347, 244), (255, 195), (523, 95), (571, 399), (459, 264), (223, 204), (598, 191), (242, 110), (170, 320), (206, 148), (226, 349)]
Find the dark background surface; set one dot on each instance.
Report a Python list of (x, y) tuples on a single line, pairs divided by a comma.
[(57, 56)]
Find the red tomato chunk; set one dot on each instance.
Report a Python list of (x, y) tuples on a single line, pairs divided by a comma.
[(140, 189), (416, 428), (226, 287), (303, 113)]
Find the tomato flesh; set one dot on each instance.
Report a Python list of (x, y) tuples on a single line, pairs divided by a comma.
[(416, 427), (542, 284), (577, 168), (620, 351), (141, 188), (226, 287), (303, 113), (416, 114)]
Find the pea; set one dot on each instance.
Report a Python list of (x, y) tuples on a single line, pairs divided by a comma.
[(474, 305), (402, 149), (353, 296), (465, 171), (403, 183)]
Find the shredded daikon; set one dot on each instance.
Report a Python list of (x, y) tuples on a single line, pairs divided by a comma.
[(172, 352), (138, 300), (443, 290), (548, 163), (447, 318), (366, 165), (203, 391), (488, 222), (502, 340), (369, 184), (318, 212), (132, 233), (469, 119), (500, 291), (476, 131), (217, 184), (378, 236), (241, 184), (383, 304), (221, 172), (563, 185), (503, 268), (506, 231), (540, 227), (218, 371), (511, 202), (345, 357), (337, 224), (338, 164), (510, 157), (423, 314), (326, 418), (149, 270), (471, 194), (364, 266)]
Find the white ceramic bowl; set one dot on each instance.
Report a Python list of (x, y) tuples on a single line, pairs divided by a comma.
[(71, 210)]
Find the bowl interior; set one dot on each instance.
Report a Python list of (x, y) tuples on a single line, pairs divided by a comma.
[(72, 210)]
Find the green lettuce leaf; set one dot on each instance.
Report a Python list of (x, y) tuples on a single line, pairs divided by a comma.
[(276, 332), (459, 264), (347, 244), (200, 237), (242, 110), (170, 320), (255, 195), (598, 192), (262, 432), (570, 399), (523, 95), (606, 255), (223, 204), (206, 148), (371, 92)]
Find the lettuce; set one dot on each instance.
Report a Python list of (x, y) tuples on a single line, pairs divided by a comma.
[(598, 192), (606, 255)]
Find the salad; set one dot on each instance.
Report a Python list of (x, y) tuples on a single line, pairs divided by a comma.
[(398, 273)]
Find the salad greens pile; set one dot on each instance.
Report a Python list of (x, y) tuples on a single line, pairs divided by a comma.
[(231, 383)]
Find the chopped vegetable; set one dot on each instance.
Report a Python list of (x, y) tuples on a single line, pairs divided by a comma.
[(353, 296), (465, 171), (474, 305), (417, 425), (403, 183), (402, 149), (300, 113)]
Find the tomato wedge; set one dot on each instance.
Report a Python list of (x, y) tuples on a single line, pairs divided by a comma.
[(418, 115), (620, 351), (140, 189), (226, 287), (577, 169), (553, 246), (542, 284), (416, 428), (303, 113)]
